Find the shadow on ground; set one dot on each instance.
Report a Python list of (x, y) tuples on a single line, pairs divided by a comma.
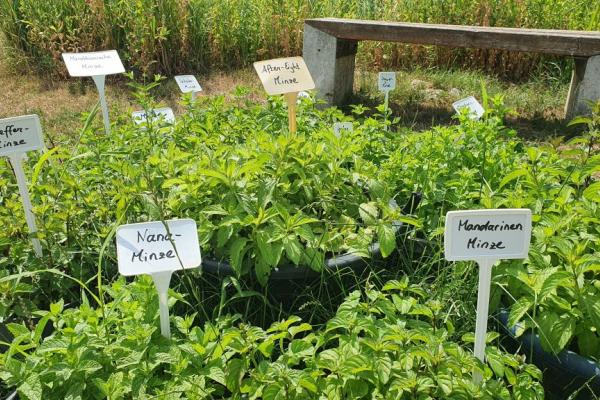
[(422, 116)]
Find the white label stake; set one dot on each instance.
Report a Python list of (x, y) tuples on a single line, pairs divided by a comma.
[(188, 84), (158, 248), (286, 76), (386, 83), (16, 161), (476, 111), (338, 127), (97, 65), (486, 236), (99, 82), (17, 136)]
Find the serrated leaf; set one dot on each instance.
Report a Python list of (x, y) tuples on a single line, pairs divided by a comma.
[(387, 239), (235, 373), (368, 213), (518, 310), (237, 250)]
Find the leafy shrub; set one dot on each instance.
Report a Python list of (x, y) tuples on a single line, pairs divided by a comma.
[(390, 344)]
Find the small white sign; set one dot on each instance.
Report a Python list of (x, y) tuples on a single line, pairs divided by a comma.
[(165, 113), (284, 75), (93, 64), (149, 248), (476, 111), (387, 81), (20, 134), (188, 83), (487, 234), (338, 127)]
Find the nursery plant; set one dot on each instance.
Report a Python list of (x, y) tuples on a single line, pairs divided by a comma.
[(393, 343)]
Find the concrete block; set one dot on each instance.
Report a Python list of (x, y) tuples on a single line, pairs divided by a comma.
[(331, 63), (585, 85)]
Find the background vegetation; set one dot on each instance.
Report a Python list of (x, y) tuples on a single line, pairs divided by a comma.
[(170, 36)]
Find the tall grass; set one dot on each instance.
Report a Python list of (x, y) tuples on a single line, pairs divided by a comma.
[(170, 36)]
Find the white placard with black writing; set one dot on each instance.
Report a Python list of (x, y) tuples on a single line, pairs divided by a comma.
[(188, 83), (20, 134), (148, 247), (94, 63), (338, 127), (387, 81), (486, 236), (284, 75), (165, 114), (497, 234), (476, 111)]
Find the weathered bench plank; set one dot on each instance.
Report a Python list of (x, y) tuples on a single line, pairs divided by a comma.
[(557, 42), (330, 47)]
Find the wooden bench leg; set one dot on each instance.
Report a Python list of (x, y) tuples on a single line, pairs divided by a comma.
[(585, 85), (331, 63)]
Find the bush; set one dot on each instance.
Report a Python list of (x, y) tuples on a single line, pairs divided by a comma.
[(389, 344)]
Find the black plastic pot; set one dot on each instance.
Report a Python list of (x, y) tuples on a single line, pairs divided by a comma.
[(343, 261), (565, 373)]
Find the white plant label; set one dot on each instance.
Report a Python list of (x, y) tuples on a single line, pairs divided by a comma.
[(96, 65), (387, 81), (20, 134), (486, 236), (496, 234), (476, 111), (147, 248), (338, 127), (17, 136), (92, 64), (158, 248), (284, 75), (166, 114), (188, 83)]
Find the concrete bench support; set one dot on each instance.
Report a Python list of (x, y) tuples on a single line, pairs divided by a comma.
[(585, 85), (331, 63), (330, 49)]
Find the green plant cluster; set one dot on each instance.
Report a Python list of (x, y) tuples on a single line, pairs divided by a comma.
[(380, 345), (171, 36), (482, 165), (262, 198)]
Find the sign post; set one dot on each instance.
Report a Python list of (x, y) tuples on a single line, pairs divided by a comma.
[(188, 84), (486, 236), (476, 111), (166, 113), (386, 83), (17, 136), (338, 127), (96, 65), (158, 248), (286, 76)]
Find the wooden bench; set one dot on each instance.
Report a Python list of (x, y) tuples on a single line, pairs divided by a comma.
[(330, 47)]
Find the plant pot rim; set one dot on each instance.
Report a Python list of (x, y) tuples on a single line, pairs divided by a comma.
[(335, 263), (566, 361)]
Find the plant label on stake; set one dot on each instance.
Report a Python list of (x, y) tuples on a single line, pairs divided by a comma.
[(476, 111), (386, 83), (97, 65), (486, 236), (286, 76), (158, 248), (188, 84), (156, 114), (17, 136), (338, 127)]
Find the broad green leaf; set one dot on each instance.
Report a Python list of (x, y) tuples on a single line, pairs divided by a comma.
[(293, 249), (236, 254), (512, 176), (518, 310), (235, 371), (369, 213), (31, 389), (592, 192), (387, 239)]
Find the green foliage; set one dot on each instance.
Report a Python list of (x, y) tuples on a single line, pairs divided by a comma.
[(390, 344)]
